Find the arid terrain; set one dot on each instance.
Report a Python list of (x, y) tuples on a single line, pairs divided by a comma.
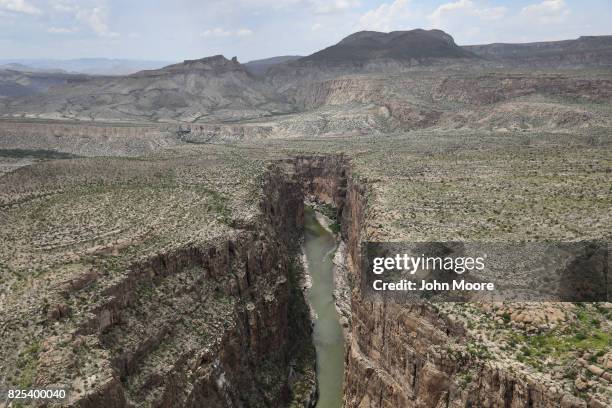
[(150, 223)]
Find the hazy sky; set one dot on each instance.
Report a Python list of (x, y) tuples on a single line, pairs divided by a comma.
[(187, 29)]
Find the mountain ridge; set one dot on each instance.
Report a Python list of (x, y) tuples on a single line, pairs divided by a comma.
[(215, 88), (211, 88), (583, 51), (396, 45), (88, 66), (260, 66)]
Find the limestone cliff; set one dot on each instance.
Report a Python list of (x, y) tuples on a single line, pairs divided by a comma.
[(413, 355), (221, 323), (210, 324), (98, 139)]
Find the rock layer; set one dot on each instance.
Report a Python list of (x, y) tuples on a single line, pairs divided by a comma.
[(215, 324), (397, 355)]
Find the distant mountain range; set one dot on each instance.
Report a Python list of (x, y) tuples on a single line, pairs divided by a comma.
[(13, 66), (16, 81), (218, 89), (89, 66), (212, 88), (366, 46), (361, 47), (259, 67), (586, 51)]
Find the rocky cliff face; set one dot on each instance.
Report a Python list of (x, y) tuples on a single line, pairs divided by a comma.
[(222, 322), (391, 110), (492, 88), (211, 324), (411, 355), (91, 139)]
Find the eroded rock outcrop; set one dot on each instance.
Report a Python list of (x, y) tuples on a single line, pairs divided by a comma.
[(94, 139), (214, 324), (412, 355), (389, 110), (219, 323), (492, 88)]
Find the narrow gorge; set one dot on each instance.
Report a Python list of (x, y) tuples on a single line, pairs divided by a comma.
[(192, 235), (408, 355), (227, 322)]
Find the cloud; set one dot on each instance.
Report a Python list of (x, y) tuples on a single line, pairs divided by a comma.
[(216, 32), (244, 32), (61, 30), (19, 6), (96, 18), (333, 6), (466, 8), (64, 5), (386, 17), (311, 6), (220, 32), (548, 11)]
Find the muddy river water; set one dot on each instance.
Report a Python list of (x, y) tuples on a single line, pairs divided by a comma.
[(319, 247)]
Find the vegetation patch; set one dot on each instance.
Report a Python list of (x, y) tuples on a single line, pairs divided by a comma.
[(27, 364), (36, 154)]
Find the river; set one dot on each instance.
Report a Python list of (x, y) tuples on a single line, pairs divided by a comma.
[(319, 247)]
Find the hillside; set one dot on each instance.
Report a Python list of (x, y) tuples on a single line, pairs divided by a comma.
[(398, 45), (259, 67), (213, 88), (371, 52), (16, 83), (586, 51)]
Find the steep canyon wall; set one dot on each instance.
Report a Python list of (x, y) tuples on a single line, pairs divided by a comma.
[(208, 324), (222, 324), (412, 355)]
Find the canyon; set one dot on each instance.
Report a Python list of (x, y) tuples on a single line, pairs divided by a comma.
[(121, 313), (151, 225)]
